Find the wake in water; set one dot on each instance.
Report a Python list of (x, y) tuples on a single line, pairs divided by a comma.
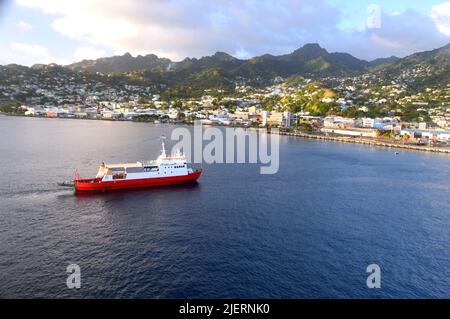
[(33, 192)]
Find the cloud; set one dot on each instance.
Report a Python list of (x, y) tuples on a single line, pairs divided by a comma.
[(441, 16), (191, 28), (404, 33), (398, 33), (24, 26), (244, 28), (23, 53), (89, 53)]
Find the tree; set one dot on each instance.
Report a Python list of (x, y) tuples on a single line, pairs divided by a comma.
[(270, 103), (181, 116), (177, 104), (144, 100)]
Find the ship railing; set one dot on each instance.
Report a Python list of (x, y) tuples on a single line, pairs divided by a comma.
[(149, 163)]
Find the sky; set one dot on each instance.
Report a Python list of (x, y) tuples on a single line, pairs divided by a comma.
[(64, 31)]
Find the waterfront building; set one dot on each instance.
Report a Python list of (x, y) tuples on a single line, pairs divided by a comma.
[(287, 119), (51, 113), (360, 132), (275, 118), (35, 111), (338, 122), (240, 116), (265, 116), (437, 135)]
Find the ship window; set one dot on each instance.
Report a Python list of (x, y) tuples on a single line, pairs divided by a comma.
[(135, 170)]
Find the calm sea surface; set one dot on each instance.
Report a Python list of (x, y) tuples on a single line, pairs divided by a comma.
[(309, 231)]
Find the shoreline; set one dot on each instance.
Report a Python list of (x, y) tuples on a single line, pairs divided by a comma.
[(341, 139), (368, 142)]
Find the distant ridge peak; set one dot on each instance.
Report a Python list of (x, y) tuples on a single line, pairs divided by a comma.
[(223, 55), (311, 46), (310, 49)]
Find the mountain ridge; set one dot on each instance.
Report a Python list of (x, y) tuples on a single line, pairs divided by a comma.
[(221, 71), (309, 60), (299, 58)]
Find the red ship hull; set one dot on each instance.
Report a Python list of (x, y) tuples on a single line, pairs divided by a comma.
[(95, 184)]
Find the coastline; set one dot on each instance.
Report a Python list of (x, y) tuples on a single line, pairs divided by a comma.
[(363, 141), (368, 142)]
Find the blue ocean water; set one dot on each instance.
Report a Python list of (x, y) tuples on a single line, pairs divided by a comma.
[(308, 231)]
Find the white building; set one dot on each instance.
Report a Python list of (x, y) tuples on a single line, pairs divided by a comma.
[(427, 134), (265, 117), (338, 122), (354, 132), (287, 118), (173, 114)]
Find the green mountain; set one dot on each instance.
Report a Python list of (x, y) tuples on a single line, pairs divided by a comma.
[(220, 71), (420, 69), (311, 60), (122, 63), (383, 61)]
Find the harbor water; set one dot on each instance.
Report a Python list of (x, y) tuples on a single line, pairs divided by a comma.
[(309, 231)]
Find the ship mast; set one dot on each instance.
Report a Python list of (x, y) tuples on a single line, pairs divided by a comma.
[(163, 149)]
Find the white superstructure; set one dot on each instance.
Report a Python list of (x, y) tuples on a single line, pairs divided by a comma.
[(163, 166)]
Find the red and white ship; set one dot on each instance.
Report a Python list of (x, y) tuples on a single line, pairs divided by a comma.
[(165, 170)]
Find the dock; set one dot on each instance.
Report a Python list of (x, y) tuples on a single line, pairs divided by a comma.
[(368, 142)]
